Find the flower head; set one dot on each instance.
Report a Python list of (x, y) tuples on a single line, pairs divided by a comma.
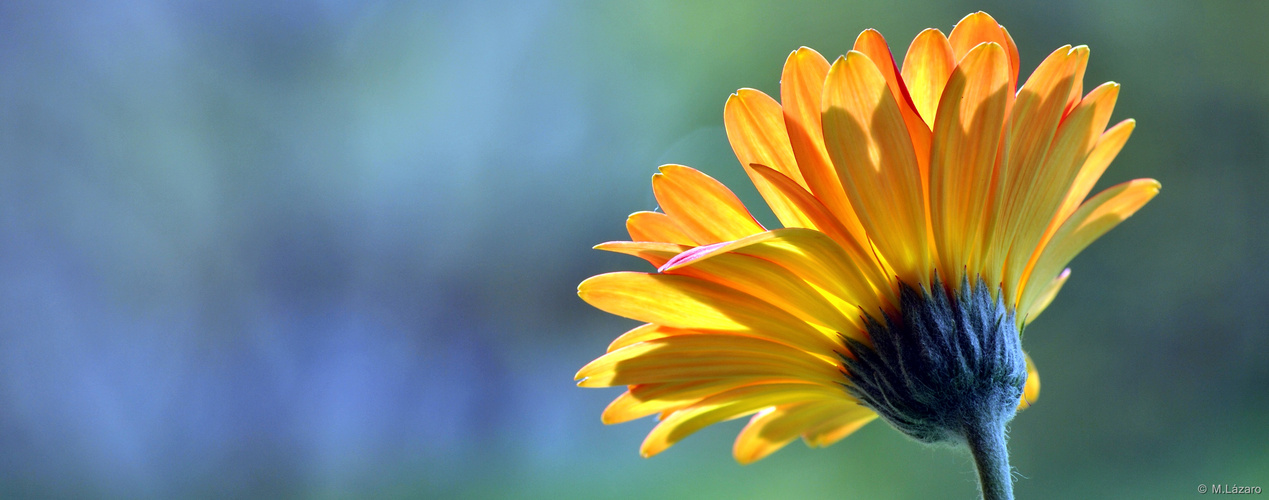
[(929, 212)]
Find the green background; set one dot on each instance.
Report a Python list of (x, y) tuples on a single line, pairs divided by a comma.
[(330, 249)]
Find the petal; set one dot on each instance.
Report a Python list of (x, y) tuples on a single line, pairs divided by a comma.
[(645, 332), (844, 424), (869, 145), (871, 44), (775, 427), (1046, 297), (656, 226), (1037, 210), (815, 214), (646, 399), (728, 405), (655, 253), (979, 28), (755, 127), (926, 69), (692, 303), (1108, 146), (1094, 218), (801, 89), (705, 356), (773, 284), (1030, 391), (703, 207), (1033, 120), (813, 257), (967, 130)]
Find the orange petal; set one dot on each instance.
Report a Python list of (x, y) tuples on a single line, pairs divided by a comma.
[(731, 404), (966, 139), (1094, 218), (703, 207), (644, 332), (692, 303), (656, 226), (871, 44), (814, 214), (1052, 181), (755, 127), (1108, 146), (979, 28), (801, 88), (869, 145), (1033, 120), (926, 69), (655, 253)]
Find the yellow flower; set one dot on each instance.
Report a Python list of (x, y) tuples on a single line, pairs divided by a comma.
[(903, 192)]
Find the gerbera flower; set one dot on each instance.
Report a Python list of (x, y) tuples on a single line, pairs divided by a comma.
[(929, 211)]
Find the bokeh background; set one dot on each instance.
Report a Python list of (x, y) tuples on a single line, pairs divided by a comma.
[(330, 249)]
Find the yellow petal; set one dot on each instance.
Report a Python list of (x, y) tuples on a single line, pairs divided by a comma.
[(926, 69), (646, 399), (706, 356), (770, 282), (645, 332), (731, 404), (869, 145), (1108, 146), (1036, 211), (966, 139), (851, 418), (692, 303), (1033, 120), (1030, 391), (703, 207), (1094, 218), (1046, 297), (801, 89), (773, 428), (656, 226), (813, 257)]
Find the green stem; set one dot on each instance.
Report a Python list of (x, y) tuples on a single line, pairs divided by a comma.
[(991, 456)]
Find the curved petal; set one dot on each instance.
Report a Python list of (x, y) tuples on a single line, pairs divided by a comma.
[(775, 427), (1108, 146), (646, 399), (851, 418), (971, 116), (656, 226), (926, 68), (1094, 218), (1052, 181), (980, 28), (1046, 297), (731, 404), (869, 145), (703, 207), (801, 90), (655, 253), (693, 303), (705, 356)]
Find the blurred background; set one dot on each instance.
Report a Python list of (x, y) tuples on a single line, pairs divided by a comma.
[(330, 249)]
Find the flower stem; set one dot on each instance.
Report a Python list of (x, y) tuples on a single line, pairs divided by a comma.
[(987, 443)]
